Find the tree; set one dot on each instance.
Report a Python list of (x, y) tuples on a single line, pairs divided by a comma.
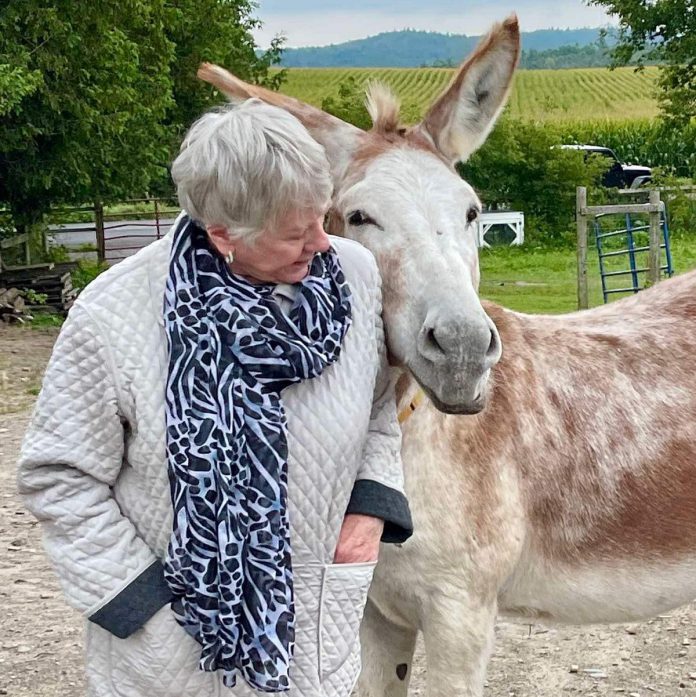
[(87, 123), (94, 95), (349, 104), (662, 30), (214, 31)]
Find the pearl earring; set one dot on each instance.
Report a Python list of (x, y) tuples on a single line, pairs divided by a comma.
[(230, 257)]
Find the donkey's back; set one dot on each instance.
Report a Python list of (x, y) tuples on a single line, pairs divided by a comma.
[(607, 470)]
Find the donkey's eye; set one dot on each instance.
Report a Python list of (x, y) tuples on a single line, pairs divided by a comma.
[(471, 215), (358, 219)]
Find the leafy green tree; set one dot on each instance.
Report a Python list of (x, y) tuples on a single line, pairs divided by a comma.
[(663, 30), (214, 31), (84, 119), (349, 104), (94, 96), (16, 83)]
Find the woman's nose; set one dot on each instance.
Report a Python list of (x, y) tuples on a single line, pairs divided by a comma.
[(319, 240)]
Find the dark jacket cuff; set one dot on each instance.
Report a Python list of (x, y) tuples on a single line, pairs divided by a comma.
[(372, 498), (135, 604)]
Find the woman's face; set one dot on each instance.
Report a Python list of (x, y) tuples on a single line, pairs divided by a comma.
[(281, 255)]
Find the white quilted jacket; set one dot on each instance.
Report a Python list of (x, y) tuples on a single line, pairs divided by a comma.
[(93, 471)]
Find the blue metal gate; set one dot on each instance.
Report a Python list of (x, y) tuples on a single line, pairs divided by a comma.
[(632, 243)]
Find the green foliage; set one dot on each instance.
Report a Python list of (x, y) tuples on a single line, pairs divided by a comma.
[(7, 228), (547, 95), (58, 254), (654, 143), (89, 125), (214, 31), (349, 104), (94, 97), (681, 204), (34, 298), (591, 56), (520, 168), (41, 320), (86, 272), (16, 83), (664, 30), (681, 214)]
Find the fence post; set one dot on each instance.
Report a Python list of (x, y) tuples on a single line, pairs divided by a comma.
[(655, 253), (581, 219), (99, 227), (157, 220)]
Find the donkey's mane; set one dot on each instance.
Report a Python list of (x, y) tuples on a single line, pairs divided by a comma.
[(383, 106)]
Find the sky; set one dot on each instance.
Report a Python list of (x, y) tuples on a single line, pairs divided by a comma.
[(322, 22)]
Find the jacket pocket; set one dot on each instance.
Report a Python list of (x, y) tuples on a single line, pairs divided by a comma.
[(343, 597), (158, 660)]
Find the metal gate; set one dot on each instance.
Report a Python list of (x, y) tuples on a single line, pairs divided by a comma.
[(111, 235), (633, 243)]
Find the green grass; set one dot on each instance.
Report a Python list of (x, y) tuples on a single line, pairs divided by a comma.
[(552, 276), (41, 320), (535, 281), (547, 95)]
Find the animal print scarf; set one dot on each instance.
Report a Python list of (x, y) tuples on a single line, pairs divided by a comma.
[(231, 352)]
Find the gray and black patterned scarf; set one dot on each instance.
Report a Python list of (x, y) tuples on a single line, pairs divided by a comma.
[(231, 352)]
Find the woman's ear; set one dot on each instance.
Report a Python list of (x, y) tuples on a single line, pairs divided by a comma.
[(220, 239)]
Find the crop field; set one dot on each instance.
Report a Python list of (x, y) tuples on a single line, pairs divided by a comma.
[(547, 95)]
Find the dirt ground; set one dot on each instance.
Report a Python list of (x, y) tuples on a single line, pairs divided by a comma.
[(40, 637)]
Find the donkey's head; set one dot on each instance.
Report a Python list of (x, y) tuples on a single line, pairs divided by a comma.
[(397, 193)]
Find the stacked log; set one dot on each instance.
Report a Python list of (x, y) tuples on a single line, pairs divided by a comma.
[(12, 305), (54, 282)]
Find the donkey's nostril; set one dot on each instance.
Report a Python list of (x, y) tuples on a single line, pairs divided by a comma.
[(431, 340), (494, 345)]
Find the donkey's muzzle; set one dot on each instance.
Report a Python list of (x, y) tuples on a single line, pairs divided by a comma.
[(456, 354)]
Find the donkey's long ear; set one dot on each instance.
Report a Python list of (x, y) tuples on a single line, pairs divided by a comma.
[(464, 114), (339, 138)]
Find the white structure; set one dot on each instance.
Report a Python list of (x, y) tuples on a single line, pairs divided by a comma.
[(512, 219)]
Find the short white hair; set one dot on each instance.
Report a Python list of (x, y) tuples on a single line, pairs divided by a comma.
[(246, 165)]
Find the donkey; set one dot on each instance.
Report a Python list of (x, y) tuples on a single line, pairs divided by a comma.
[(558, 481)]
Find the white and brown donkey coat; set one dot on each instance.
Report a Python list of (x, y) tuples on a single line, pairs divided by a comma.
[(559, 481)]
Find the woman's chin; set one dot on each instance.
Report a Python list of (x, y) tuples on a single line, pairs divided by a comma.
[(295, 275)]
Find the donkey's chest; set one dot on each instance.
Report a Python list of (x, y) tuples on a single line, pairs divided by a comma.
[(467, 521)]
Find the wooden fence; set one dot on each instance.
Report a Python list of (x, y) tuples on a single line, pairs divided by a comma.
[(585, 213)]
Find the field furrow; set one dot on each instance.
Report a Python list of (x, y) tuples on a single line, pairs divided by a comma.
[(549, 95)]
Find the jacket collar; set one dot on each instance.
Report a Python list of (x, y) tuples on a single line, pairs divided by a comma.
[(158, 271)]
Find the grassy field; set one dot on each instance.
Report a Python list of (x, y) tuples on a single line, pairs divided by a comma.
[(543, 281), (556, 95)]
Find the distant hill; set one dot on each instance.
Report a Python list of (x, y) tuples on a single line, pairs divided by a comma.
[(413, 49)]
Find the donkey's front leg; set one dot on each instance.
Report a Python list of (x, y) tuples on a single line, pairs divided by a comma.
[(458, 633), (387, 655)]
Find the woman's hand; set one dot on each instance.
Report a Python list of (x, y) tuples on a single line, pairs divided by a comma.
[(359, 539)]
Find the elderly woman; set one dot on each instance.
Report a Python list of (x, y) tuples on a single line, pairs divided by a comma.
[(214, 455)]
